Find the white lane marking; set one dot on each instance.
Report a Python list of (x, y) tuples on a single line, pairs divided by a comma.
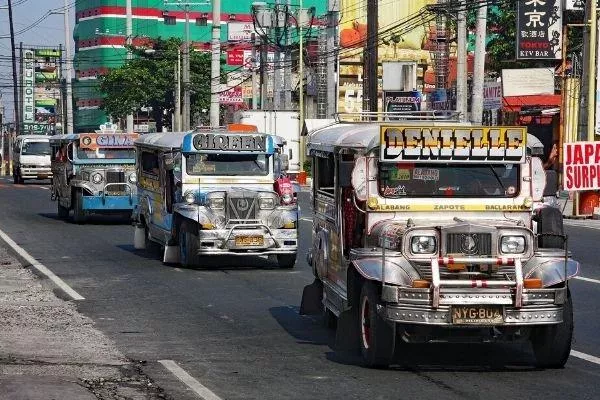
[(581, 278), (41, 267), (186, 378), (44, 187), (306, 219), (585, 357)]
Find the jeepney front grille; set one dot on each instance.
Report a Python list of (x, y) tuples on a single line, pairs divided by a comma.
[(469, 244), (116, 177), (241, 208)]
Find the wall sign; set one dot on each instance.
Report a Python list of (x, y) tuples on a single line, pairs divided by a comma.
[(581, 166), (209, 141), (459, 144), (98, 140), (539, 29), (28, 86)]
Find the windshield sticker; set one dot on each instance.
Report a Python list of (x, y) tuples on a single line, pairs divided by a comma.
[(451, 143), (201, 167), (426, 174), (511, 190), (395, 191), (400, 175)]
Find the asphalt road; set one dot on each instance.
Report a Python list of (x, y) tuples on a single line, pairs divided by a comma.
[(235, 326)]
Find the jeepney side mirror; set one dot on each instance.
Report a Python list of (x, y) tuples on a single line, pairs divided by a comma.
[(70, 152), (359, 178)]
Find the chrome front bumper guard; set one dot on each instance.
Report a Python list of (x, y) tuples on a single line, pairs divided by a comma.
[(129, 191)]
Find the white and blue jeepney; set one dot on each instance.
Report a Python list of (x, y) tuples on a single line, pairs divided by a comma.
[(214, 192), (93, 173)]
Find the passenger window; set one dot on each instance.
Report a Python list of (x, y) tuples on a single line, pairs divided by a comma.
[(149, 162), (325, 173)]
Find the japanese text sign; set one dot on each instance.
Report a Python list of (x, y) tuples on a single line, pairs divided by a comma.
[(98, 140), (539, 29), (453, 144), (581, 166)]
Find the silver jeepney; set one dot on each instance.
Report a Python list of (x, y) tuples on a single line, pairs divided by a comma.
[(435, 231)]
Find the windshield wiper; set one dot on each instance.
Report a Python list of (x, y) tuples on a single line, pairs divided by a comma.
[(498, 178)]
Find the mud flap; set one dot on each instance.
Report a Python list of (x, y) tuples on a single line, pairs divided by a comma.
[(312, 299), (171, 255), (139, 238), (346, 335)]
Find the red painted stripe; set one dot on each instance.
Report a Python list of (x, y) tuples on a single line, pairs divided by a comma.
[(484, 284), (112, 41), (473, 283)]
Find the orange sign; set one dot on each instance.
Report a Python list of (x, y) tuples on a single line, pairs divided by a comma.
[(106, 140)]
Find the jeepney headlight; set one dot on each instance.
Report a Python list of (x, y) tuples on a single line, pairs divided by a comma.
[(512, 244), (97, 178), (266, 203), (423, 244), (132, 177), (216, 203), (189, 197)]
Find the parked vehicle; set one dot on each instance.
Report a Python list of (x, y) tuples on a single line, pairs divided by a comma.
[(31, 158), (215, 192), (435, 231), (93, 173)]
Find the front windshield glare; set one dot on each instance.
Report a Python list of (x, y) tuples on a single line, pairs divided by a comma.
[(227, 164), (444, 180), (36, 149), (105, 153)]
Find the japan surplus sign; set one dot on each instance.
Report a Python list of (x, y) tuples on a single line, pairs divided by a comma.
[(581, 166), (539, 29)]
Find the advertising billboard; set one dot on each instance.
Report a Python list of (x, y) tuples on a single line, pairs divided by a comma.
[(397, 44), (539, 30)]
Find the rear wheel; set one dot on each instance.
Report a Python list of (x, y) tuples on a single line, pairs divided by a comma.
[(552, 343), (78, 213), (188, 247), (286, 261), (377, 337)]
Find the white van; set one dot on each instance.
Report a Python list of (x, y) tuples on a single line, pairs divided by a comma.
[(31, 158)]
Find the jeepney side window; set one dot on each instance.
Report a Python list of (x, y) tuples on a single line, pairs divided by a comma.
[(325, 175), (149, 163)]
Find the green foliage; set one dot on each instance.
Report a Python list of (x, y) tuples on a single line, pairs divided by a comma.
[(148, 80)]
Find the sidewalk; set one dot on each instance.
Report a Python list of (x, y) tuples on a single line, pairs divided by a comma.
[(50, 351)]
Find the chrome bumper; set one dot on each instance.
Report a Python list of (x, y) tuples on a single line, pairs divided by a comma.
[(223, 241), (36, 173)]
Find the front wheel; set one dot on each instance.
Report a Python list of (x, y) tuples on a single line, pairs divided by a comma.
[(552, 343), (286, 261), (188, 247), (78, 213), (377, 337)]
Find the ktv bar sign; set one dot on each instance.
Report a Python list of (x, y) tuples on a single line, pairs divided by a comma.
[(581, 166), (499, 145)]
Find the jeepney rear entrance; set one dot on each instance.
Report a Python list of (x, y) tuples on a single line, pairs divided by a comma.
[(437, 233)]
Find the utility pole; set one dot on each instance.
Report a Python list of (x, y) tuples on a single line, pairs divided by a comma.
[(68, 63), (479, 67), (255, 65), (177, 126), (186, 71), (277, 81), (287, 76), (371, 59), (17, 113), (263, 70), (128, 40), (461, 62), (332, 22), (215, 70), (591, 100)]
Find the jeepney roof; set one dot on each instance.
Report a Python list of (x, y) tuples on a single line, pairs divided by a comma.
[(64, 138), (363, 137), (33, 137), (162, 140)]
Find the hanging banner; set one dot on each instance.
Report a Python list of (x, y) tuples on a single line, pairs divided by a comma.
[(581, 165), (402, 101), (28, 86), (539, 29)]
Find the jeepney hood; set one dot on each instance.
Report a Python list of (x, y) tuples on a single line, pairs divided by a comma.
[(201, 188), (37, 160)]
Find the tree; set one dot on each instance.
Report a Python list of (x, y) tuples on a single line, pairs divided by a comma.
[(148, 80)]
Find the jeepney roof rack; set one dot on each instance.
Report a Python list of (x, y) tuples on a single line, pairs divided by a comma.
[(383, 116)]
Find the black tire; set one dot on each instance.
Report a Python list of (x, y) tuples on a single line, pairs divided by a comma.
[(552, 344), (63, 212), (78, 213), (15, 178), (377, 337), (188, 247), (550, 221), (329, 319), (286, 261)]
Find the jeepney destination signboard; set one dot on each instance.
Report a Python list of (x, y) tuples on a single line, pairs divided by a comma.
[(219, 142), (581, 166), (109, 140), (444, 144)]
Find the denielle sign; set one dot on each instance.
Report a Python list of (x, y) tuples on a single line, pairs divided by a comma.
[(28, 86)]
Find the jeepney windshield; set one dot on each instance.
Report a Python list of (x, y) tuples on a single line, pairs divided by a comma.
[(105, 153), (444, 180), (227, 164), (31, 148)]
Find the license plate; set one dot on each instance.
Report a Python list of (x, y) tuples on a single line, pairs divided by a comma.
[(249, 241), (477, 315)]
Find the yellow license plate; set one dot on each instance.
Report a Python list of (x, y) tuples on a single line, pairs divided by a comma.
[(477, 315), (249, 241)]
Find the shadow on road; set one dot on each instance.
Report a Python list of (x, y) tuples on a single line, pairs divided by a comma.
[(93, 219)]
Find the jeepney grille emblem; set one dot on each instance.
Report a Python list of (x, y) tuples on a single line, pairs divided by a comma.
[(241, 208), (469, 243)]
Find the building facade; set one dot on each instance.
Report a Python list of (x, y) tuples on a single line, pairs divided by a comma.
[(100, 37)]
